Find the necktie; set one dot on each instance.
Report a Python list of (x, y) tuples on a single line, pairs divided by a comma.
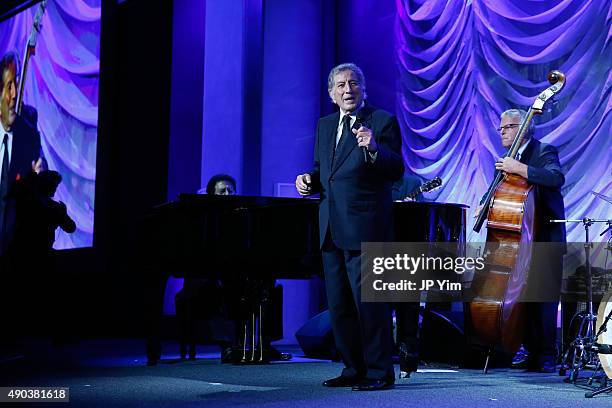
[(4, 183), (346, 132), (346, 129)]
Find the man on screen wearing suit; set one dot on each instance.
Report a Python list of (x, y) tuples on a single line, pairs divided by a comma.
[(356, 160), (539, 164), (19, 146), (19, 155)]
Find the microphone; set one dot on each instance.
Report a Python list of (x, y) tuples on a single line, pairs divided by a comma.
[(359, 122)]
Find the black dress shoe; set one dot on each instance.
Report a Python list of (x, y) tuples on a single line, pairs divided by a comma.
[(521, 359), (547, 366), (342, 381), (408, 360), (374, 385), (273, 354), (286, 356), (543, 364), (227, 355)]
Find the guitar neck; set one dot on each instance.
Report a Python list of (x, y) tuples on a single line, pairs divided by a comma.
[(413, 195)]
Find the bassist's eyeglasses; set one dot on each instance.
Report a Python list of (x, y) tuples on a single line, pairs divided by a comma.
[(510, 126)]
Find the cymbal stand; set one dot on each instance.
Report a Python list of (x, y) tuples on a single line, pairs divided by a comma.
[(579, 354)]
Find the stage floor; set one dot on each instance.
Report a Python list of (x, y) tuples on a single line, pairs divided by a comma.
[(112, 373)]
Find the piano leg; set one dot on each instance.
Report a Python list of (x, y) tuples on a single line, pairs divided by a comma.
[(244, 343), (261, 343), (255, 336), (253, 327), (253, 347)]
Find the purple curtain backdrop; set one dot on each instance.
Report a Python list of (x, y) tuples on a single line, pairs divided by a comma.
[(62, 85), (462, 63)]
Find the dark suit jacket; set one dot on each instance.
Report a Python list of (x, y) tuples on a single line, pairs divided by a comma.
[(25, 149), (356, 200), (545, 173)]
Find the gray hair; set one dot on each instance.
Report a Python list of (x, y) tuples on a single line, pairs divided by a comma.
[(344, 67), (521, 114)]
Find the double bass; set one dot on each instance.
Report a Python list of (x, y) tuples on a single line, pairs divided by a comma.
[(30, 49), (496, 314)]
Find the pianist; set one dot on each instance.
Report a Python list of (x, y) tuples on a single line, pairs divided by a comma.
[(220, 184), (219, 303), (357, 157), (202, 297)]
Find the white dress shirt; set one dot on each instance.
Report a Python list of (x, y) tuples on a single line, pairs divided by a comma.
[(353, 116), (522, 149)]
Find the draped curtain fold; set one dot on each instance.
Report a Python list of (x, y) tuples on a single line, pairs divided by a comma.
[(462, 63), (62, 85)]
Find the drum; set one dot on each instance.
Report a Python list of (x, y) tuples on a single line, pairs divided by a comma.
[(606, 337)]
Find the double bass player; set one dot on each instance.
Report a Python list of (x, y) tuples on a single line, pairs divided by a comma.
[(538, 163)]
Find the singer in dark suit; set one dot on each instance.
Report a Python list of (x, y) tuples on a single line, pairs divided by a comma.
[(539, 164), (19, 145), (19, 156), (356, 160)]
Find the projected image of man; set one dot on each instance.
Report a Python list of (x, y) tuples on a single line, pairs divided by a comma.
[(19, 145)]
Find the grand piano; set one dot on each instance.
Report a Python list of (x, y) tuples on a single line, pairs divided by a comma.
[(258, 239)]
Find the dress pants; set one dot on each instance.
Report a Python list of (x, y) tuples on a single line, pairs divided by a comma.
[(541, 330), (362, 331), (407, 323)]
